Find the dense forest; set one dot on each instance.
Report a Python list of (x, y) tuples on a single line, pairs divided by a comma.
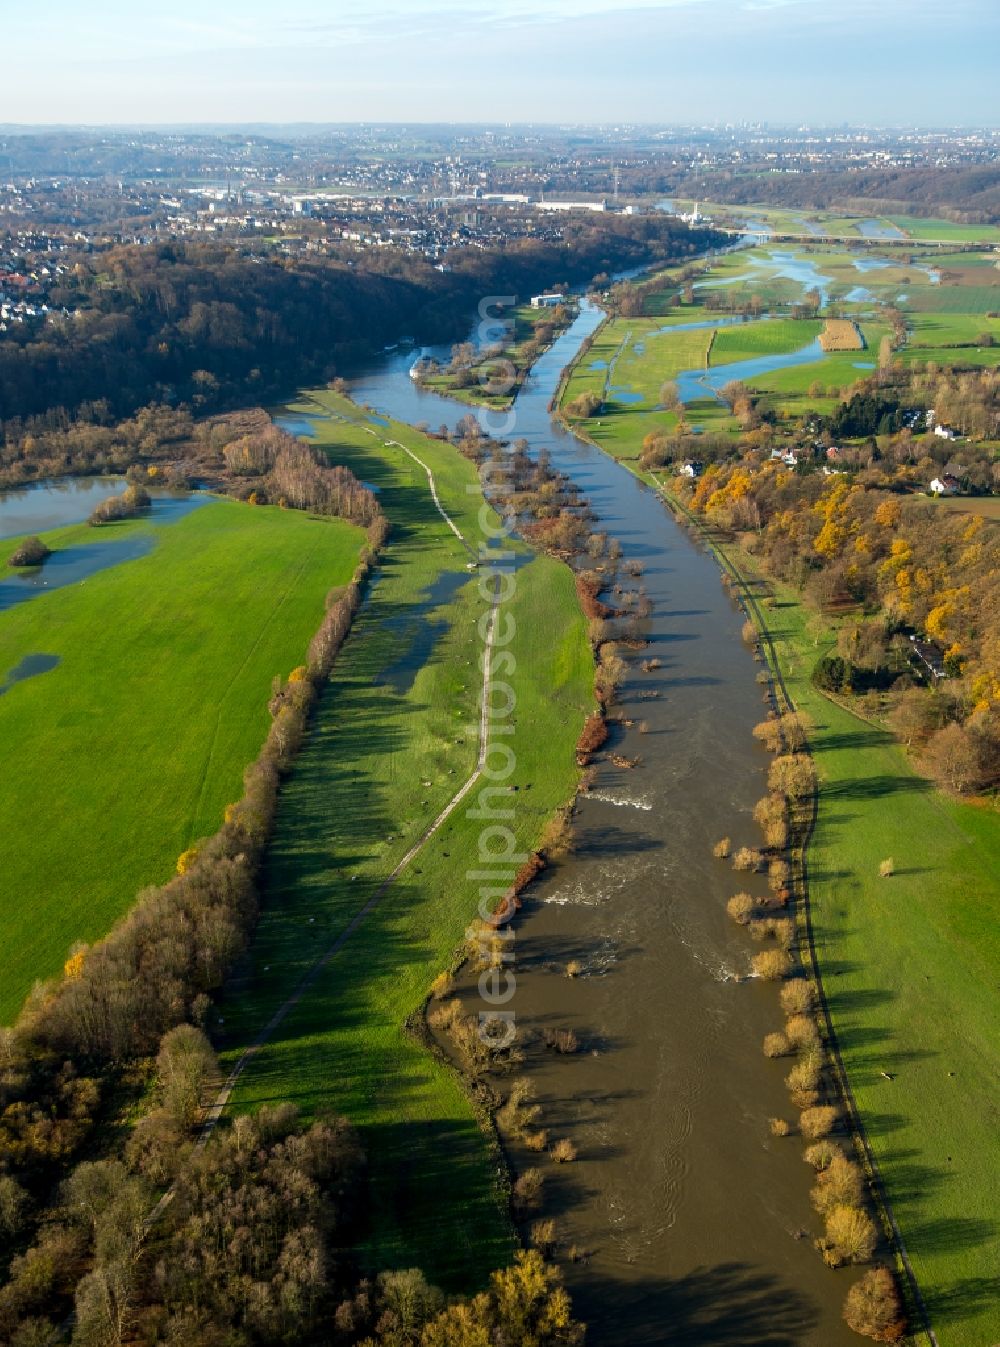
[(210, 326)]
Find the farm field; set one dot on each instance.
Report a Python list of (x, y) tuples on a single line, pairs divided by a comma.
[(952, 329), (769, 337), (395, 736), (647, 351), (132, 746), (918, 228), (975, 299)]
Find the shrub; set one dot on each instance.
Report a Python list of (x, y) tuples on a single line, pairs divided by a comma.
[(520, 1110), (749, 632), (779, 1127), (536, 1141), (873, 1307), (792, 774), (802, 1031), (442, 986), (817, 1123), (574, 968), (32, 552), (768, 732), (741, 908), (887, 868), (803, 1078), (528, 1190), (850, 1236), (722, 848), (772, 809), (561, 1040), (747, 858), (543, 1236), (779, 872), (593, 735), (563, 1152), (797, 997), (821, 1154), (776, 1045), (840, 1184), (771, 964), (585, 405)]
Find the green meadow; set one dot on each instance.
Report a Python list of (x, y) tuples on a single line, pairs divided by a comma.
[(128, 750), (774, 336), (917, 228), (395, 736), (909, 969)]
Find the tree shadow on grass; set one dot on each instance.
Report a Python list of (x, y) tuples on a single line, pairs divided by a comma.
[(842, 1001), (876, 787), (949, 1234), (867, 738), (963, 1298)]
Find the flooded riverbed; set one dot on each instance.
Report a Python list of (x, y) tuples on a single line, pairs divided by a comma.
[(690, 1213)]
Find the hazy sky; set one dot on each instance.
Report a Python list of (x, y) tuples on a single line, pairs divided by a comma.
[(893, 61)]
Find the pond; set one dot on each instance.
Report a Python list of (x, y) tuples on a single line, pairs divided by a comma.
[(70, 500), (695, 385), (70, 566), (29, 667), (879, 229), (49, 505), (295, 424)]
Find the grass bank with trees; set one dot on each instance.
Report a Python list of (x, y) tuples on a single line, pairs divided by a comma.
[(395, 736), (907, 950), (908, 962)]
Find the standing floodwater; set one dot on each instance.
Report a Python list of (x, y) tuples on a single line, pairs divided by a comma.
[(691, 1215)]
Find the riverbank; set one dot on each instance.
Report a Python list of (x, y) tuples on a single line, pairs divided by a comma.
[(393, 738), (907, 966), (907, 991)]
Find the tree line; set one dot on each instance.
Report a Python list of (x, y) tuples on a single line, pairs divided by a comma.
[(895, 566)]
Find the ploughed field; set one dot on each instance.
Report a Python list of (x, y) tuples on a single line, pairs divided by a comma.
[(130, 743)]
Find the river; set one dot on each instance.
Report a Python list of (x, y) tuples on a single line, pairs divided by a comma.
[(691, 1214)]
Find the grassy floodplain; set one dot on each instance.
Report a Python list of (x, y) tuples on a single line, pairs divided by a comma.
[(128, 750), (909, 969), (908, 963), (394, 738), (838, 225)]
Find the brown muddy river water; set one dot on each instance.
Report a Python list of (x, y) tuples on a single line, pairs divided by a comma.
[(696, 1222)]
